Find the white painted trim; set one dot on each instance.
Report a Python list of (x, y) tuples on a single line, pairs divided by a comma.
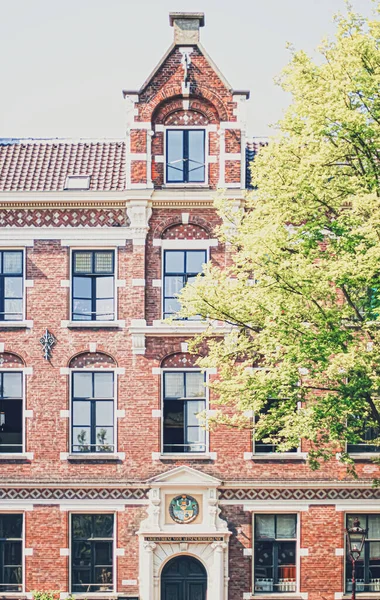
[(28, 551), (64, 414), (248, 455), (140, 125), (65, 283), (185, 244), (339, 551), (357, 506), (29, 283), (120, 414), (185, 218), (64, 551), (212, 159), (156, 371), (121, 283), (159, 158), (92, 347), (156, 413), (247, 552), (304, 551), (274, 506), (129, 582), (138, 156), (16, 324), (64, 371), (120, 552), (118, 323), (233, 156), (28, 414), (138, 282), (70, 236), (157, 283)]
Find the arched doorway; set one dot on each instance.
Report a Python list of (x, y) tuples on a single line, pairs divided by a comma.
[(183, 578)]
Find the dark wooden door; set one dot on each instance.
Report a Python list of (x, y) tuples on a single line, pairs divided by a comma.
[(183, 578)]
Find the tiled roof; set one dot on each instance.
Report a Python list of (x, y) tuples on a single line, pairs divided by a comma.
[(252, 148), (41, 165)]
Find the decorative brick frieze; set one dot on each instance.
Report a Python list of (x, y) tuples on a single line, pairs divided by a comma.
[(185, 232), (95, 360), (181, 360), (58, 217), (71, 493), (300, 494)]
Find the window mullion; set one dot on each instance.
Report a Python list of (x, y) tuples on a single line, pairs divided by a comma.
[(275, 563), (186, 156)]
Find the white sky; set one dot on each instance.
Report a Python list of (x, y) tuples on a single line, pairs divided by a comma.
[(64, 62)]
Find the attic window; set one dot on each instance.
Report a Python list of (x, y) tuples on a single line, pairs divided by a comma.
[(77, 182)]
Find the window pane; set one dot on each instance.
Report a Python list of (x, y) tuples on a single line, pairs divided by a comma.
[(286, 526), (103, 554), (286, 567), (263, 567), (12, 553), (173, 285), (174, 153), (12, 262), (104, 413), (174, 262), (83, 262), (195, 385), (104, 439), (103, 385), (82, 310), (172, 307), (103, 526), (82, 439), (194, 261), (193, 408), (373, 527), (104, 287), (104, 310), (196, 156), (174, 426), (81, 527), (81, 413), (12, 385), (10, 526), (104, 262), (11, 426), (82, 288), (13, 287), (82, 385), (173, 385), (265, 526), (12, 310)]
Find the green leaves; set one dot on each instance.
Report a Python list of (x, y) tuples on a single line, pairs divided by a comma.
[(302, 295)]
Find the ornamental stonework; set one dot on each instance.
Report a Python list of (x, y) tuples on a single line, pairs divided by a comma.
[(111, 217)]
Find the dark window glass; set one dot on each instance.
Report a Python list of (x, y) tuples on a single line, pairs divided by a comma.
[(180, 268), (11, 285), (261, 447), (365, 435), (367, 568), (275, 553), (93, 285), (10, 553), (93, 412), (11, 420), (184, 399), (92, 553), (185, 156)]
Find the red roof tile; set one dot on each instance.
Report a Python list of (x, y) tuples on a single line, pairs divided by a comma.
[(29, 166)]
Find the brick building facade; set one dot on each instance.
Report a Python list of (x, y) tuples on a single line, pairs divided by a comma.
[(109, 486)]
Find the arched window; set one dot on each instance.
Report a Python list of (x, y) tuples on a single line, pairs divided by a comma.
[(183, 398), (11, 404), (93, 404)]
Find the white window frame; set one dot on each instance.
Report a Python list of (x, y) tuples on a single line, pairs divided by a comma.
[(181, 128), (94, 455), (22, 454), (177, 245), (115, 322), (23, 322), (186, 455), (272, 511), (95, 511), (359, 511)]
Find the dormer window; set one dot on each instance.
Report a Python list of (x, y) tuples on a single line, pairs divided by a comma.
[(185, 156), (77, 182)]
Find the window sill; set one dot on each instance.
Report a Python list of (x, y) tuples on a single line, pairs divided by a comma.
[(364, 456), (186, 185), (185, 456), (16, 456), (16, 324), (279, 456), (277, 595), (93, 324), (103, 456)]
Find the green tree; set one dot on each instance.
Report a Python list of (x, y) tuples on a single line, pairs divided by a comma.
[(302, 295)]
